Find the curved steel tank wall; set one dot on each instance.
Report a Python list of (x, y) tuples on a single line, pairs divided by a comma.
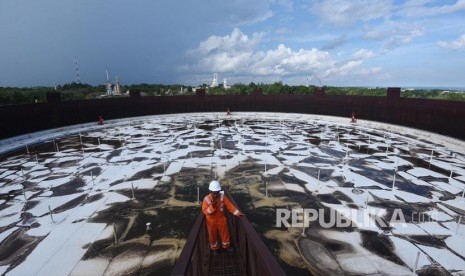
[(443, 117)]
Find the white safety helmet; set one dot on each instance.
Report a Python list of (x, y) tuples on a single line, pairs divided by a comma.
[(214, 186)]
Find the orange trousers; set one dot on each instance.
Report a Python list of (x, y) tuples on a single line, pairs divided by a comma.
[(215, 227)]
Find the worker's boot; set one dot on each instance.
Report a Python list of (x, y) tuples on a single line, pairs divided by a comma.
[(230, 249), (215, 252)]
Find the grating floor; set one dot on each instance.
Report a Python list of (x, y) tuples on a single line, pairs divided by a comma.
[(225, 263)]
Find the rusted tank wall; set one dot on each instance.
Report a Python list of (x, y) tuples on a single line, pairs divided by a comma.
[(444, 117)]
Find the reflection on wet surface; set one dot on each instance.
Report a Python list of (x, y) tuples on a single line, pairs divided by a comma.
[(122, 199)]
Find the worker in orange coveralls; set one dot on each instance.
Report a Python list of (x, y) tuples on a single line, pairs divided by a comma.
[(213, 208)]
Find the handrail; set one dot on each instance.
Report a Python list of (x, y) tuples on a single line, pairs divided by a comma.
[(255, 258), (193, 258)]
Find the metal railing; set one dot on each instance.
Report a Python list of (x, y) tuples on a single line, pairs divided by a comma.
[(255, 258), (194, 256)]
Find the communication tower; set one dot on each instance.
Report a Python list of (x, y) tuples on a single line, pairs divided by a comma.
[(215, 80), (117, 86), (78, 78), (108, 84), (225, 84)]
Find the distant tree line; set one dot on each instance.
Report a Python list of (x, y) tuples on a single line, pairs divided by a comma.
[(434, 94), (79, 91)]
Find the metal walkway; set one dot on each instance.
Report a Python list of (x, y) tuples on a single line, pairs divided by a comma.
[(250, 257), (226, 263)]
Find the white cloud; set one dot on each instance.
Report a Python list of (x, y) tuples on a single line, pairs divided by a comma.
[(458, 44), (370, 71), (343, 69), (394, 34), (285, 61), (363, 54), (346, 13), (225, 53), (401, 37), (237, 55), (235, 42), (420, 8)]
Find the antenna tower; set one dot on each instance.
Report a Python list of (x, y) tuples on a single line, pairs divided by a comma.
[(215, 80), (78, 78), (225, 84), (117, 85), (108, 84)]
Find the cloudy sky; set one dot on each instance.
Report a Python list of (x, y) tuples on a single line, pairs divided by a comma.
[(335, 42)]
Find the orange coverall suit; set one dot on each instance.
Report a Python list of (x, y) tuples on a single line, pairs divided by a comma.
[(216, 220)]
